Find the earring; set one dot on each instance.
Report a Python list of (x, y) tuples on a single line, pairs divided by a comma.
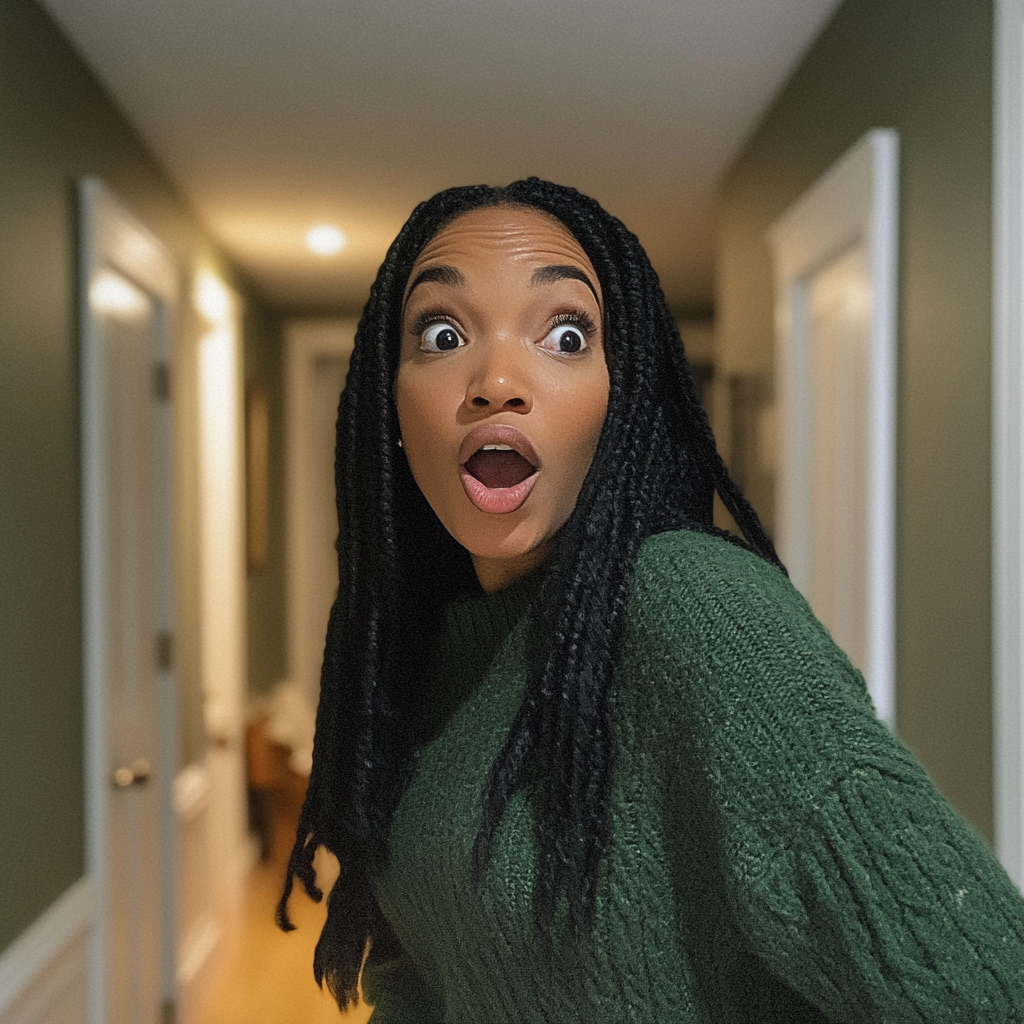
[(400, 445)]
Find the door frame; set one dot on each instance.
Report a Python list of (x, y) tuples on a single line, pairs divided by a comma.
[(111, 236), (855, 201), (1008, 437)]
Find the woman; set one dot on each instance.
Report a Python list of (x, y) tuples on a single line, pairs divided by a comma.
[(580, 757)]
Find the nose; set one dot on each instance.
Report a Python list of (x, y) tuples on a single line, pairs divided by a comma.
[(499, 384)]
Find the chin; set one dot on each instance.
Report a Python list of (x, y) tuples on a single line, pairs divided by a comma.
[(494, 540)]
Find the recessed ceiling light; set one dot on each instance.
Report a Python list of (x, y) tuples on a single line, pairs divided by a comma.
[(325, 240)]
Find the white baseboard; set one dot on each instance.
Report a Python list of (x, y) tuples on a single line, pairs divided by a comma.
[(43, 973)]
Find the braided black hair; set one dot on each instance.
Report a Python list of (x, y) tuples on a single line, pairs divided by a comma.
[(656, 467)]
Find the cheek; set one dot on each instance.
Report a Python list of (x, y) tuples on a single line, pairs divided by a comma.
[(581, 431), (415, 400), (422, 430), (592, 408), (405, 407)]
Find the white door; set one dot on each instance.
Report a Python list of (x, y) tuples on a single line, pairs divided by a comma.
[(835, 278), (214, 852), (222, 582), (133, 840), (129, 288)]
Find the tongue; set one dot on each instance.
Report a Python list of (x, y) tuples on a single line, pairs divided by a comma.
[(498, 468)]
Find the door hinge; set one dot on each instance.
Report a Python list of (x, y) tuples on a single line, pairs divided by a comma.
[(161, 381)]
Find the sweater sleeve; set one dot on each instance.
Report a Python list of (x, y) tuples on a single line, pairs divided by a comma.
[(884, 906), (843, 870)]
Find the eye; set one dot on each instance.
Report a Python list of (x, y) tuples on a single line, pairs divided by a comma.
[(566, 339), (440, 337)]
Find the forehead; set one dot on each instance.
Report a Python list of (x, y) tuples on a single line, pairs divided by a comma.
[(504, 234)]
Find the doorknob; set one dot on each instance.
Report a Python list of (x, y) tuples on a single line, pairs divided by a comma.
[(135, 774)]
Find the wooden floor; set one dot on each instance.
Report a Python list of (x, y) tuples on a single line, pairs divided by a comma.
[(266, 975)]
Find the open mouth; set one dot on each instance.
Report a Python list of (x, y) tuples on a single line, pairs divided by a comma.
[(498, 465)]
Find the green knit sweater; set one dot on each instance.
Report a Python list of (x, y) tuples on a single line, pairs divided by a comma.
[(777, 855)]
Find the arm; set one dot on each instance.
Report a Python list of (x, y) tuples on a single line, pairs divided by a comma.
[(843, 870), (886, 906)]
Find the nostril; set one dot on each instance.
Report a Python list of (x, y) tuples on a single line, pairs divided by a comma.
[(480, 402), (515, 402)]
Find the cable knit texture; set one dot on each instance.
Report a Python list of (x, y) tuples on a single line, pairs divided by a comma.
[(777, 854)]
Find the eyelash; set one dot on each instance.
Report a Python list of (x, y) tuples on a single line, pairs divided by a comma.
[(577, 318), (428, 318)]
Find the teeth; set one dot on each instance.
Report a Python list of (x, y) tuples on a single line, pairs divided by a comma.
[(496, 448)]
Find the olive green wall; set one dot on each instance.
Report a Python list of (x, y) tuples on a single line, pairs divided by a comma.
[(56, 124), (923, 67)]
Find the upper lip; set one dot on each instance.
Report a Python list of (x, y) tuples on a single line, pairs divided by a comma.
[(497, 433)]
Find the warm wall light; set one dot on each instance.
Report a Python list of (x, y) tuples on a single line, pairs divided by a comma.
[(325, 240)]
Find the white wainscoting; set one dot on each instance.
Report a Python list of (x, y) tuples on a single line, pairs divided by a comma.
[(44, 973)]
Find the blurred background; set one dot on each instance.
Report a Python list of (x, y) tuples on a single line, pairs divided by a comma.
[(246, 166)]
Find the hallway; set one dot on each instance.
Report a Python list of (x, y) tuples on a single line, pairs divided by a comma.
[(232, 139)]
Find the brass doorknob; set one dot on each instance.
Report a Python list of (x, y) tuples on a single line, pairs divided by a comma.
[(135, 774)]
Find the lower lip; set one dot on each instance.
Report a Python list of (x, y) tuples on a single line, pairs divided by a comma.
[(496, 500)]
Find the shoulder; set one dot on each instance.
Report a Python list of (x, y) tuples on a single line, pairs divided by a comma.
[(695, 555), (731, 654), (697, 581)]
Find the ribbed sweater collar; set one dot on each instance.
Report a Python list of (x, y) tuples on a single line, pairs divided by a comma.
[(484, 620), (473, 628)]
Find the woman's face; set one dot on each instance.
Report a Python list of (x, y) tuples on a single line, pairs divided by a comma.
[(502, 385)]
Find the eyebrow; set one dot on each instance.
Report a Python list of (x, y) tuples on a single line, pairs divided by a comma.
[(443, 274), (561, 272), (454, 278)]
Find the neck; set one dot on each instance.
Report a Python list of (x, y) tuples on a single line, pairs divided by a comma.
[(497, 573)]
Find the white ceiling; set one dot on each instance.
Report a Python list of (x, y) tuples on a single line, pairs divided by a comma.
[(272, 115)]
